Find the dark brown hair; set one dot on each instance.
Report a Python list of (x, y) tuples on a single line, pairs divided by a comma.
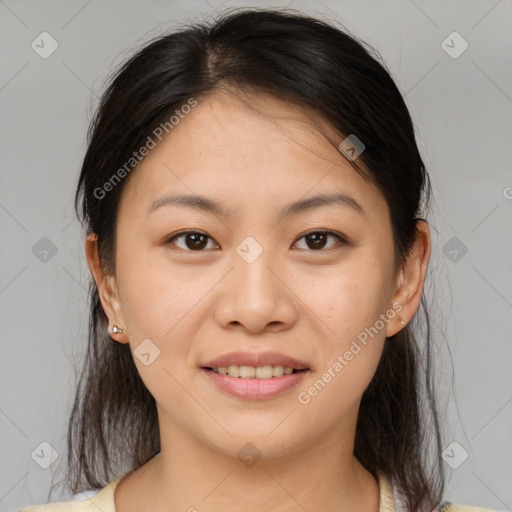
[(318, 66)]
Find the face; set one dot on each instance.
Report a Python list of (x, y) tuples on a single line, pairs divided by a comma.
[(252, 277)]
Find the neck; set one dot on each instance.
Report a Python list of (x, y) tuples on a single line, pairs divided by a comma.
[(191, 476)]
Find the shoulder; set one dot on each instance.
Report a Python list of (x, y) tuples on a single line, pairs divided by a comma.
[(62, 506), (102, 501), (455, 507), (391, 500)]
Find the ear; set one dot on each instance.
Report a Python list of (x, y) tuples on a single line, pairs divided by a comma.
[(107, 289), (410, 280)]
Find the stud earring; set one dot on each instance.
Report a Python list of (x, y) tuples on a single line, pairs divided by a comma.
[(116, 330), (402, 322)]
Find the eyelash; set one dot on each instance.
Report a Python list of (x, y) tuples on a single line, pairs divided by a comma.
[(341, 239)]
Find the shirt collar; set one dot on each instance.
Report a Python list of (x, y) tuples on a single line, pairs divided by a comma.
[(389, 501)]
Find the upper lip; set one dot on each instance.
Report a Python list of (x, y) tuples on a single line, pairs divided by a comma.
[(255, 359)]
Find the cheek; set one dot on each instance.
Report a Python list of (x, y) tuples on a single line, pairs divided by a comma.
[(348, 298), (349, 301), (159, 303), (156, 295)]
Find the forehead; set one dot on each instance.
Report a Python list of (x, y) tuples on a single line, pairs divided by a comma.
[(259, 152)]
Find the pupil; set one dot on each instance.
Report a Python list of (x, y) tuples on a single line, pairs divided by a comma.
[(198, 240), (319, 240)]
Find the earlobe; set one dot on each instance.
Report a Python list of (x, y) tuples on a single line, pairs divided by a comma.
[(109, 297), (107, 291), (396, 324)]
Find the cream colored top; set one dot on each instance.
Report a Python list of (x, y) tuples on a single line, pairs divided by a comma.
[(103, 501)]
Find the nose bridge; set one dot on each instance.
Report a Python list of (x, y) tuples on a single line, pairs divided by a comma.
[(252, 261)]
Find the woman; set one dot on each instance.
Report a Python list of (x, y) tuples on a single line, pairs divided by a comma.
[(253, 198)]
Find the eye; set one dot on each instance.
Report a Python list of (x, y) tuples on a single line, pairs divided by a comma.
[(317, 239), (194, 240), (197, 240)]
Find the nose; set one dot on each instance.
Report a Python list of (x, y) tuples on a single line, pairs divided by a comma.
[(256, 296)]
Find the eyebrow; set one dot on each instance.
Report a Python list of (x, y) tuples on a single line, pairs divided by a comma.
[(209, 205)]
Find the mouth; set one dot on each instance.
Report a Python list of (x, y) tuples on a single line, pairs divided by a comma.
[(254, 383), (255, 375)]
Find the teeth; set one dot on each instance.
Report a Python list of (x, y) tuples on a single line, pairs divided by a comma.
[(250, 372)]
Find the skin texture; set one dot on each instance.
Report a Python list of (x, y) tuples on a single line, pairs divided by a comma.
[(294, 299)]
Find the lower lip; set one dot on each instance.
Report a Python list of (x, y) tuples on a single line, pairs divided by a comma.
[(255, 389)]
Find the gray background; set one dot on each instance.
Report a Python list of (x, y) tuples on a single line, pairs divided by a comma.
[(462, 110)]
